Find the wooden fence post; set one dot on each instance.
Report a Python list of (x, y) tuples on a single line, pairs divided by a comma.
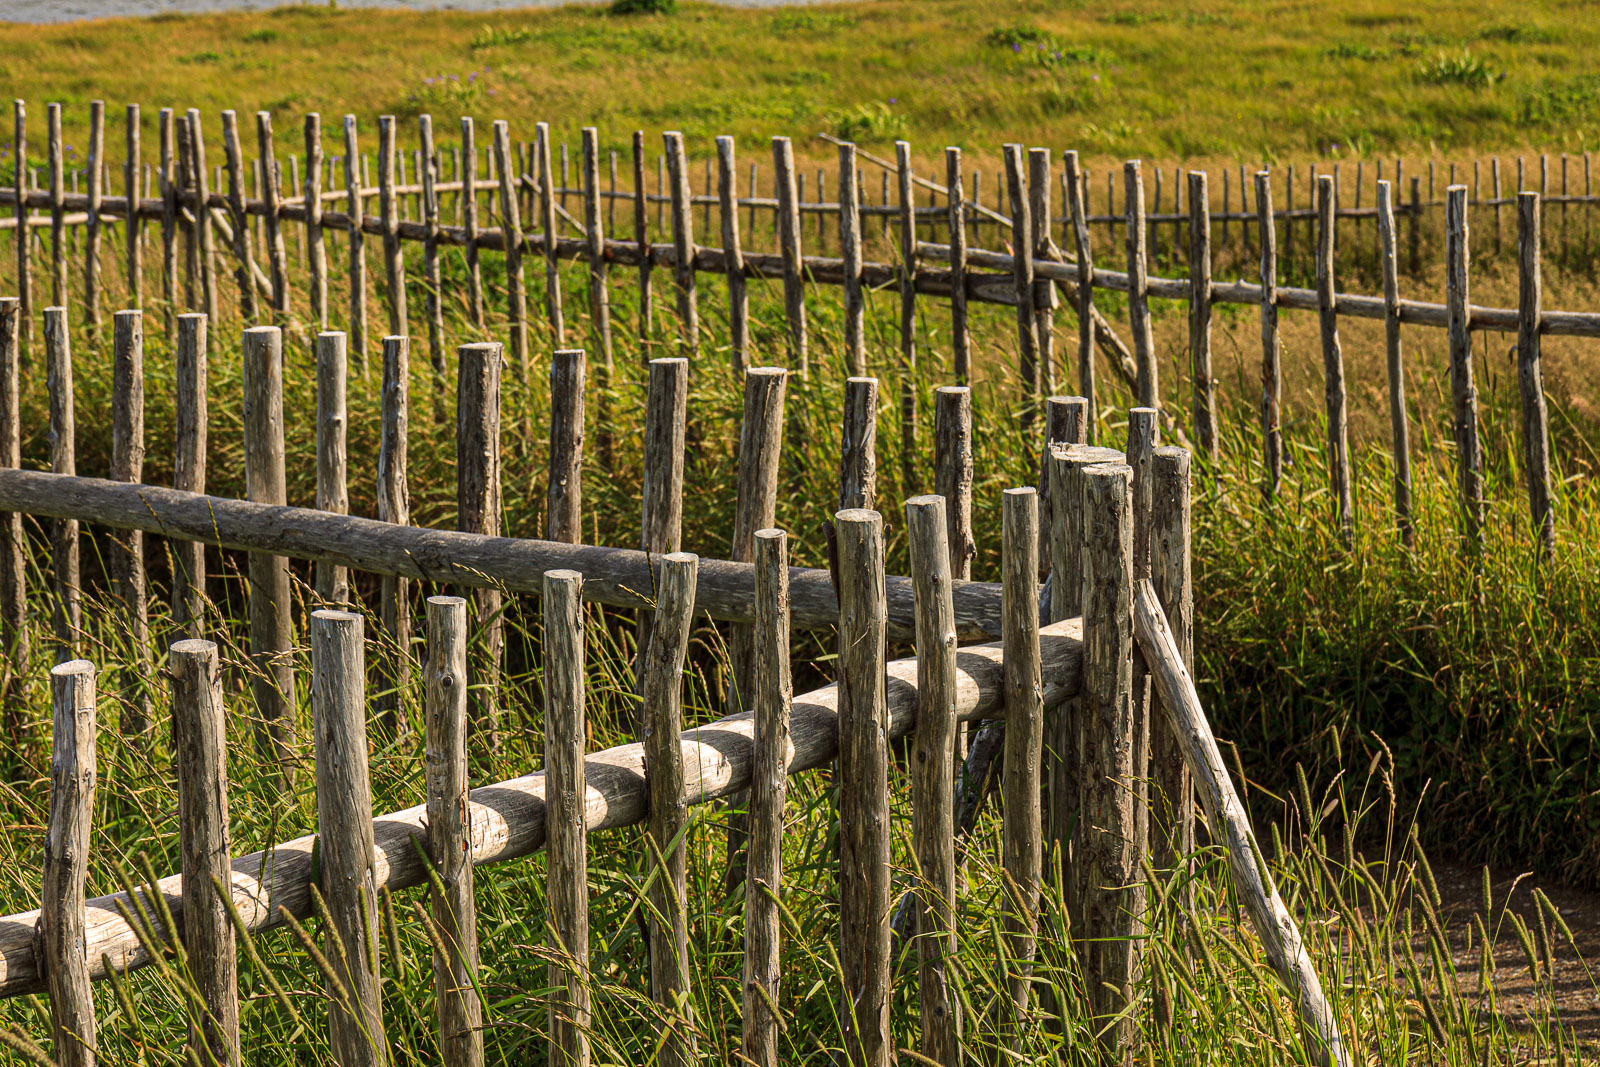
[(864, 874), (1023, 852), (661, 495), (855, 323), (1022, 273), (204, 231), (1086, 339), (733, 254), (511, 229), (357, 244), (1143, 437), (1530, 377), (769, 784), (1171, 791), (567, 835), (1110, 862), (960, 336), (789, 236), (683, 247), (468, 197), (1271, 348), (316, 248), (277, 259), (1044, 298), (432, 275), (1333, 365), (200, 758), (858, 463), (1399, 430), (67, 609), (909, 481), (344, 837), (478, 502), (641, 236), (1463, 389), (333, 493), (63, 920), (595, 243), (952, 462), (1149, 382), (14, 642), (91, 244), (58, 192), (133, 222), (127, 546), (24, 233), (271, 632), (394, 263), (932, 776), (189, 468), (454, 910), (563, 516), (1205, 398), (233, 156), (662, 689)]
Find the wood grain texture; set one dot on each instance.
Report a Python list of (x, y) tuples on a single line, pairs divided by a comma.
[(469, 219), (594, 234), (641, 238), (771, 746), (566, 788), (478, 508), (683, 248), (1022, 831), (315, 245), (1338, 430), (333, 489), (394, 506), (345, 837), (126, 550), (432, 272), (14, 636), (933, 754), (133, 188), (449, 834), (357, 268), (960, 335), (91, 235), (667, 824), (1205, 397), (67, 604), (1230, 822), (191, 416), (1394, 360), (864, 873), (1530, 374), (563, 515), (516, 295), (63, 918), (200, 758), (1106, 850), (789, 241), (1023, 274), (733, 254), (855, 306), (23, 234), (244, 257), (910, 480), (952, 480), (1172, 836), (1271, 345), (1463, 384), (858, 451), (1085, 283), (1044, 292), (271, 196), (547, 227), (271, 630), (1149, 380)]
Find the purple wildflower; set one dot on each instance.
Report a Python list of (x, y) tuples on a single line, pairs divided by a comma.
[(1015, 47)]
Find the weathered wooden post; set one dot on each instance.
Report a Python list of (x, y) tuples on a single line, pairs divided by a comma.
[(855, 344), (511, 231), (189, 467), (864, 874), (394, 505), (1144, 353), (356, 212), (1271, 348), (733, 254), (595, 245), (1530, 377), (1022, 274), (952, 444), (564, 494), (909, 481), (1205, 399), (67, 608), (271, 630), (199, 737), (1463, 388), (333, 491), (789, 236), (478, 501), (1333, 365), (858, 463), (683, 247), (566, 832), (1399, 430), (63, 921), (960, 337), (14, 641), (1086, 339)]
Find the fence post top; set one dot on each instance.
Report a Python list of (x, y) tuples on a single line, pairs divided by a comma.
[(72, 668), (194, 646), (557, 576), (766, 372), (330, 617), (858, 516)]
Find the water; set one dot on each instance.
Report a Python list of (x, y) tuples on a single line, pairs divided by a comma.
[(72, 10)]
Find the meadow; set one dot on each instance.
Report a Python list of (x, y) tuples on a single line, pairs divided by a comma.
[(1376, 701)]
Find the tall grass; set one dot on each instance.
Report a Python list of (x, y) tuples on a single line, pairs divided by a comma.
[(1375, 700)]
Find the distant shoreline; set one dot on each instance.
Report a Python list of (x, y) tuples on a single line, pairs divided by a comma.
[(46, 11)]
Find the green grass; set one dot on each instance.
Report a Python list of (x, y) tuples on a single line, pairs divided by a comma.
[(1272, 80), (1377, 671)]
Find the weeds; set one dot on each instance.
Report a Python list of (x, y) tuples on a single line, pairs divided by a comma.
[(1460, 68)]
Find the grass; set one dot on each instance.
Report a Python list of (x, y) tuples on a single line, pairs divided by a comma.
[(1374, 702), (1275, 80)]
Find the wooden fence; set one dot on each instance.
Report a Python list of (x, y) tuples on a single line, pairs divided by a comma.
[(1082, 764), (1036, 280)]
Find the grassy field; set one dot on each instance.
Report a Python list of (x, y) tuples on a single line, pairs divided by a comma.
[(1374, 701), (1268, 80)]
